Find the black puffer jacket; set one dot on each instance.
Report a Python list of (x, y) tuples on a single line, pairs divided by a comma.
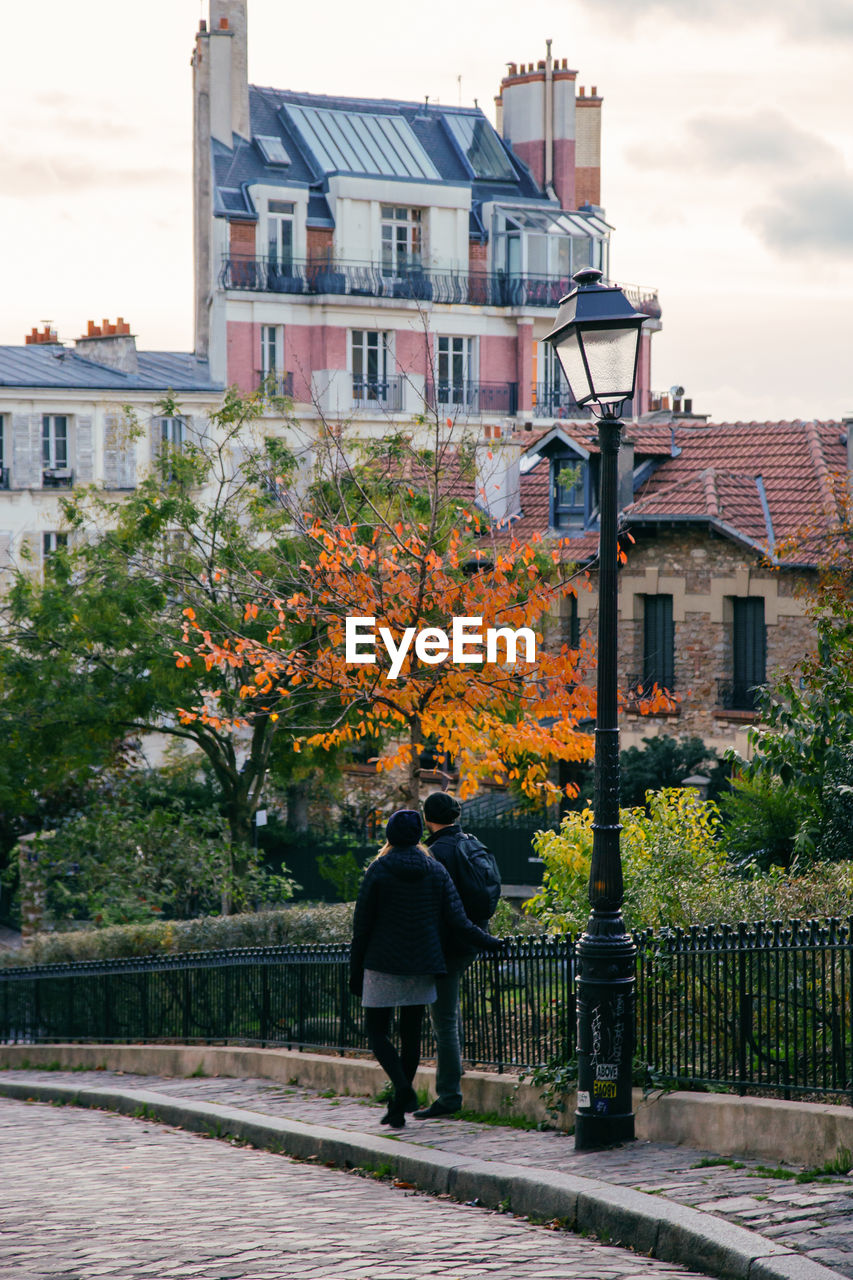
[(407, 910), (444, 847)]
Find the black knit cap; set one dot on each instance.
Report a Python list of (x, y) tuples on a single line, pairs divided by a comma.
[(441, 807), (404, 828)]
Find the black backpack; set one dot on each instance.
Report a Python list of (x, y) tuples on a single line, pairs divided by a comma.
[(477, 877)]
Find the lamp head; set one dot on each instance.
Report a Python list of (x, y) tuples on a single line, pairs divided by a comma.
[(597, 339)]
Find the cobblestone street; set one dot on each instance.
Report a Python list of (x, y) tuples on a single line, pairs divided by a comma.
[(88, 1194)]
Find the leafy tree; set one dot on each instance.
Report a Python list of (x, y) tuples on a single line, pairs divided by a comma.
[(388, 534), (804, 738), (664, 761), (87, 658), (671, 854), (127, 861)]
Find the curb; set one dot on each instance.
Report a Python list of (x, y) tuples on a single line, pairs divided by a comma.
[(647, 1224)]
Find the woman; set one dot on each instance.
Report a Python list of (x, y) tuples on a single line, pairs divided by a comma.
[(406, 903)]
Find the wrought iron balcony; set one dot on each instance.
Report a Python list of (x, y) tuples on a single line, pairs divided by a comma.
[(276, 384), (378, 393), (57, 478), (737, 695), (466, 398), (414, 283), (556, 402)]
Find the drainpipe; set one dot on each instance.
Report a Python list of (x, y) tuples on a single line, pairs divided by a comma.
[(549, 122)]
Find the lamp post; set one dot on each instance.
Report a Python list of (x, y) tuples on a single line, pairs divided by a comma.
[(597, 339)]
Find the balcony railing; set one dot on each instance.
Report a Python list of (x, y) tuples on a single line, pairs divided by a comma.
[(276, 384), (57, 478), (378, 393), (556, 402), (465, 398), (737, 695), (371, 280)]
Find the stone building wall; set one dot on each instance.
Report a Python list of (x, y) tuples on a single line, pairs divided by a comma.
[(702, 571)]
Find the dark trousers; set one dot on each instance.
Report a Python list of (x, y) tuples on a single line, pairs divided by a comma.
[(399, 1067)]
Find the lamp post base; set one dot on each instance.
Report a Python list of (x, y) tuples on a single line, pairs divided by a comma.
[(594, 1132)]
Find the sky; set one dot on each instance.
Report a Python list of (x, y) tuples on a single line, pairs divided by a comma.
[(727, 162)]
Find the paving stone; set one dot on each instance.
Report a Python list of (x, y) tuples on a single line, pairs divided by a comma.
[(803, 1216)]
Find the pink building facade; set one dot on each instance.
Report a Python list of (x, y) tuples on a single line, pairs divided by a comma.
[(376, 257)]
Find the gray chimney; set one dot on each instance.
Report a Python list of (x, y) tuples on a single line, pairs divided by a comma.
[(626, 474), (109, 344), (227, 44), (498, 475)]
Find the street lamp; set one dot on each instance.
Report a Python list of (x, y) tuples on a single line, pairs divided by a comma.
[(597, 339)]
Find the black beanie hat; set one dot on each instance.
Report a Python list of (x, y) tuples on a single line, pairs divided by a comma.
[(441, 807), (404, 828)]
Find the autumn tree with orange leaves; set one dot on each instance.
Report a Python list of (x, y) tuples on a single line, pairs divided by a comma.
[(396, 531)]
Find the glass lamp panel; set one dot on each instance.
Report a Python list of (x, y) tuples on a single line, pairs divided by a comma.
[(611, 357), (570, 357)]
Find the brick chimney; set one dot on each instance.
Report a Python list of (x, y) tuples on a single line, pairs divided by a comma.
[(588, 147), (109, 344), (536, 114), (39, 337)]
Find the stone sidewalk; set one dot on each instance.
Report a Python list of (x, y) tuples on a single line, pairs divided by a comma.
[(814, 1219)]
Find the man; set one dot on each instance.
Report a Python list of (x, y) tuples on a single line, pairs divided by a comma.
[(441, 814)]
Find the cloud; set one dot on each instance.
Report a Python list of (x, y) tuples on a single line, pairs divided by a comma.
[(812, 217), (28, 177), (70, 116), (809, 20), (766, 140)]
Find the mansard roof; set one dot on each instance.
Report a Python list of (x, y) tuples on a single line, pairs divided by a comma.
[(302, 140)]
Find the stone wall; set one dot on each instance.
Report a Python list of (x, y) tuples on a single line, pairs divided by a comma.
[(702, 572)]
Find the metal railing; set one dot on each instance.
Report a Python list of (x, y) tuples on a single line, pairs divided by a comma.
[(276, 384), (378, 393), (427, 284), (556, 402), (472, 397), (755, 1008)]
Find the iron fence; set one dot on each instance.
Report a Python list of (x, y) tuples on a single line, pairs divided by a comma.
[(756, 1008)]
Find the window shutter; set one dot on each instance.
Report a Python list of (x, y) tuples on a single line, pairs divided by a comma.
[(119, 456), (84, 468), (5, 549), (26, 451), (658, 642), (29, 553), (156, 438)]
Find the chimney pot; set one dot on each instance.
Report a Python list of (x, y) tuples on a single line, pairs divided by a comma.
[(223, 24), (565, 64), (594, 93), (202, 26), (540, 66), (582, 91)]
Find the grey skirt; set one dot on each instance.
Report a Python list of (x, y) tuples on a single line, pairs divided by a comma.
[(391, 990)]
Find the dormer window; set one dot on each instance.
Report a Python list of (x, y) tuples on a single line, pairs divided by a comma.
[(569, 505), (272, 149)]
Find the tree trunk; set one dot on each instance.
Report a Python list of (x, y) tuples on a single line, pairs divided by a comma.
[(297, 806), (413, 783)]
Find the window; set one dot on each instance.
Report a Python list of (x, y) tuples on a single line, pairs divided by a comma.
[(272, 350), (370, 363), (569, 493), (570, 632), (749, 651), (272, 149), (455, 359), (54, 442), (4, 468), (658, 643), (401, 240), (50, 542), (280, 235), (551, 394), (172, 433)]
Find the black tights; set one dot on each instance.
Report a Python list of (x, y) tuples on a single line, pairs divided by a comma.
[(399, 1067)]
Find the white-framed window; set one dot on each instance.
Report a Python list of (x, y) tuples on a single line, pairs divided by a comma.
[(280, 220), (172, 433), (54, 441), (51, 541), (272, 350), (454, 367), (402, 241), (370, 359)]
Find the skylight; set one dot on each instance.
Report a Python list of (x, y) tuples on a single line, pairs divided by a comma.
[(481, 147), (362, 142), (272, 149)]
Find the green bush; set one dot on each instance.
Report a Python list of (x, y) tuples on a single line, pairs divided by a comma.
[(296, 924), (678, 873)]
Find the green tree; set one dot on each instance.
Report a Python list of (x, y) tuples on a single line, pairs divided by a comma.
[(88, 654)]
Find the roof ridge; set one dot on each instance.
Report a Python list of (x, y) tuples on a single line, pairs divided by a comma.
[(830, 508)]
